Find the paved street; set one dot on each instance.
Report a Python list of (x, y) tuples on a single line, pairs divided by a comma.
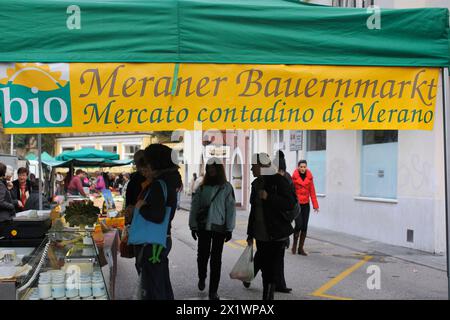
[(335, 269)]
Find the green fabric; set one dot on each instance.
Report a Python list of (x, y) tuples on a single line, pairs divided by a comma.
[(31, 156), (221, 31), (44, 157), (87, 154), (86, 163)]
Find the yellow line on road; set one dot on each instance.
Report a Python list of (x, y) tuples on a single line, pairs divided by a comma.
[(327, 286), (329, 296), (232, 245), (242, 243)]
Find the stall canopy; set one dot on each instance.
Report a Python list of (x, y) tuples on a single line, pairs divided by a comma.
[(86, 158), (87, 153), (220, 31), (45, 157)]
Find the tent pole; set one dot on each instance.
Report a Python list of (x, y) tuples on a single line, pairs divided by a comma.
[(41, 177), (12, 144), (446, 105)]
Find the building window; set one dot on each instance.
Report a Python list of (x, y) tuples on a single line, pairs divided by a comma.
[(110, 148), (87, 147), (64, 149), (379, 163), (280, 135), (316, 145), (129, 150), (278, 139)]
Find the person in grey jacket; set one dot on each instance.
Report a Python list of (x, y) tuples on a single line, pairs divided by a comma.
[(6, 204), (212, 220)]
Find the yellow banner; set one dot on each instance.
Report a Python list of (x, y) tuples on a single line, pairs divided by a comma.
[(109, 97)]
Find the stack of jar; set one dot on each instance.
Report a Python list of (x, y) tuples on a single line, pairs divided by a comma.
[(56, 285), (45, 285), (98, 285)]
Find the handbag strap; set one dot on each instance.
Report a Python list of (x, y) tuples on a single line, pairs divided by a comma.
[(164, 188), (218, 191)]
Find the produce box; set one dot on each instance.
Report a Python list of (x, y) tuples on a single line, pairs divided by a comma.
[(118, 223)]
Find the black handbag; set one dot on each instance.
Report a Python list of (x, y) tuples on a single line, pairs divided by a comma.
[(291, 215)]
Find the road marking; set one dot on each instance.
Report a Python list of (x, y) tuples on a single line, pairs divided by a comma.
[(330, 284), (232, 245), (242, 243)]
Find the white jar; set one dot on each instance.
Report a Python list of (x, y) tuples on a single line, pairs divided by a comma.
[(85, 286), (98, 288), (45, 285), (58, 290), (45, 290), (71, 291)]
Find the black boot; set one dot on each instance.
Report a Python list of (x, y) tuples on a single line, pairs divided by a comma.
[(214, 296), (201, 284), (271, 294), (265, 292)]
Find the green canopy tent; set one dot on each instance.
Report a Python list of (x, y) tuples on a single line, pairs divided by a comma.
[(221, 31), (87, 157), (44, 157), (87, 153), (227, 31)]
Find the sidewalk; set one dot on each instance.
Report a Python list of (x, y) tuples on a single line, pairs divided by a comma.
[(366, 246)]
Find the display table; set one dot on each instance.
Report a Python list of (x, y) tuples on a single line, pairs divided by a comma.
[(108, 256)]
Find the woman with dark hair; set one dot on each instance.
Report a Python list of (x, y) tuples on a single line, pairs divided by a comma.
[(305, 190), (212, 221), (21, 189), (6, 203), (164, 179)]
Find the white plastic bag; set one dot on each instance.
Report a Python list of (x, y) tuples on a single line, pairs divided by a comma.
[(243, 269)]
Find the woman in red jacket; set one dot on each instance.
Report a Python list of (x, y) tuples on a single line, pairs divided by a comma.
[(304, 188)]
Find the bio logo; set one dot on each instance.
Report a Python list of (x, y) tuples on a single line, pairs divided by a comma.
[(33, 96)]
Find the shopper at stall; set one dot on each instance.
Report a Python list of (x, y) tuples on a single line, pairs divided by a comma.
[(212, 220), (59, 182), (100, 182), (159, 170), (76, 185), (126, 181), (33, 200), (21, 189), (270, 196), (9, 177), (304, 187), (6, 203)]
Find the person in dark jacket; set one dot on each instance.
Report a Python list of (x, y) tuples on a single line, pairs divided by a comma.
[(155, 277), (33, 200), (280, 163), (270, 196), (21, 189), (6, 202)]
